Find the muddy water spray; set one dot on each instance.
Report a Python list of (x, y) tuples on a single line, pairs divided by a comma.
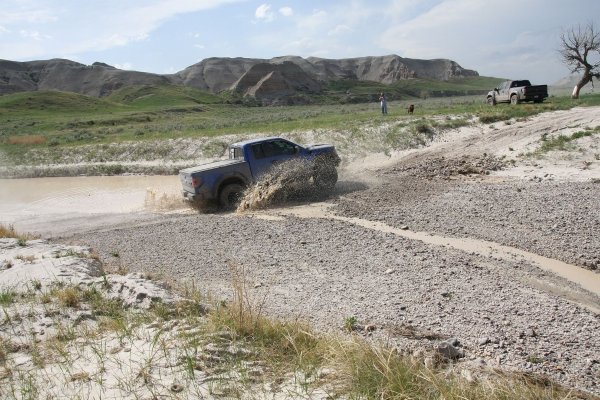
[(286, 180)]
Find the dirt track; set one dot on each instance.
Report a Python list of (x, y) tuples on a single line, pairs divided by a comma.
[(353, 255)]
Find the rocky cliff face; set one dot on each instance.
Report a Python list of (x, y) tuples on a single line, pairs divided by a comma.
[(217, 74), (271, 81), (264, 79)]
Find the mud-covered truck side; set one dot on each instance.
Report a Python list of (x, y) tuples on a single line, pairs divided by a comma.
[(516, 92), (224, 181)]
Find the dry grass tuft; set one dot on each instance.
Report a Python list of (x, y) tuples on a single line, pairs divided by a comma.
[(286, 345), (69, 297), (10, 232)]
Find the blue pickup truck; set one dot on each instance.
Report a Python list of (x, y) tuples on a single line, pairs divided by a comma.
[(224, 181)]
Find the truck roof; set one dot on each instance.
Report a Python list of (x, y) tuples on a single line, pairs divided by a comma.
[(252, 141)]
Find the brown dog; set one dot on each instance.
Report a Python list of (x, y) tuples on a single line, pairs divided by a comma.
[(411, 109)]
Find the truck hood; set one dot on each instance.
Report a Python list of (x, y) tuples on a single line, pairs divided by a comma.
[(320, 148)]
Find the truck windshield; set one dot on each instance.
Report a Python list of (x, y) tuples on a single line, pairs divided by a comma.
[(236, 153)]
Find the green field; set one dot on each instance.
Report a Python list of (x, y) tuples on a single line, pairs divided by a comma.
[(138, 112), (58, 122)]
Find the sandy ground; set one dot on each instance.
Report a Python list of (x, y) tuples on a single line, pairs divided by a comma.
[(466, 238)]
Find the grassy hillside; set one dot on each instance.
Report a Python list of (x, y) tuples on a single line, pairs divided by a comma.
[(48, 102), (54, 122), (162, 96)]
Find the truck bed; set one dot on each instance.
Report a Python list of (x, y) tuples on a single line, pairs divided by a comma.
[(536, 92), (211, 173)]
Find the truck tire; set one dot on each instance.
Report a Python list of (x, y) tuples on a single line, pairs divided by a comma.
[(491, 101), (325, 178), (514, 99), (230, 196)]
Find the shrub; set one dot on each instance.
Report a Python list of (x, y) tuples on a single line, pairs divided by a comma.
[(69, 297), (491, 118), (8, 231)]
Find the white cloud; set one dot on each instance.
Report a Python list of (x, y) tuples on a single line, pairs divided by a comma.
[(263, 12), (488, 36), (286, 11), (339, 30), (318, 19), (83, 26), (28, 15), (4, 30), (35, 35)]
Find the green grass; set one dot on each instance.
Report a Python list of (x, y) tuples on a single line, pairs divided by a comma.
[(58, 121), (348, 91), (49, 102), (563, 142), (162, 96), (6, 297)]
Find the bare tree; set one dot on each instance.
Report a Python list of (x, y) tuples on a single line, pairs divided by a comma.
[(577, 48)]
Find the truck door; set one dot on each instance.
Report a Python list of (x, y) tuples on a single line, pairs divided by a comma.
[(503, 92), (268, 153)]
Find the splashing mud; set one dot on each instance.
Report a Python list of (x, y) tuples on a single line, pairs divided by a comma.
[(159, 201), (289, 180)]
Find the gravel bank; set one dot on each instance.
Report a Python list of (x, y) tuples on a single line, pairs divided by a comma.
[(325, 271), (560, 220)]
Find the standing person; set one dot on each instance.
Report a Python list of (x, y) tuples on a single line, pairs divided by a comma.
[(383, 101)]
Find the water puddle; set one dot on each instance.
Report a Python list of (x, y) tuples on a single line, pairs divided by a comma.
[(588, 280), (93, 194), (36, 202)]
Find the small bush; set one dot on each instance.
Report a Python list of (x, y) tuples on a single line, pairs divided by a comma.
[(6, 298), (69, 297), (8, 231), (349, 323), (102, 306), (491, 118)]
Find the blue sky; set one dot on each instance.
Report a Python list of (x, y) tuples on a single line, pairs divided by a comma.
[(502, 38)]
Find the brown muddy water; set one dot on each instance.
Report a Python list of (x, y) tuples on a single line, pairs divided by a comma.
[(38, 204)]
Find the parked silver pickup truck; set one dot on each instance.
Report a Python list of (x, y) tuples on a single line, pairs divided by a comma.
[(515, 92)]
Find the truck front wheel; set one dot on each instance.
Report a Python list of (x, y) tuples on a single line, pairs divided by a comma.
[(325, 178), (230, 196), (491, 101), (514, 99)]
